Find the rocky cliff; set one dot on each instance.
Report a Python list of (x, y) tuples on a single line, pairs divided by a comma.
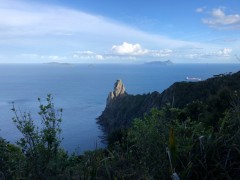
[(122, 108), (119, 91)]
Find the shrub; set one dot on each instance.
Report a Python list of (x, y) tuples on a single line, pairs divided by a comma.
[(41, 146)]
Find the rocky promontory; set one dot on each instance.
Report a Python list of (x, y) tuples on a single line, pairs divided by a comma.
[(122, 108), (119, 91)]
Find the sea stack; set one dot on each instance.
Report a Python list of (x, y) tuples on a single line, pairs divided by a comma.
[(119, 91)]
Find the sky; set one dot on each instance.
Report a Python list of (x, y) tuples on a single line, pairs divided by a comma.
[(126, 31)]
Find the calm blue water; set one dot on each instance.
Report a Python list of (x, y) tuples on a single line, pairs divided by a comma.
[(81, 91)]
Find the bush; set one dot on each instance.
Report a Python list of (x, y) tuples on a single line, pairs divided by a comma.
[(41, 146)]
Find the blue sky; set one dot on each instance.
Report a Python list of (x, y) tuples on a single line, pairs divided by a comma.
[(93, 31)]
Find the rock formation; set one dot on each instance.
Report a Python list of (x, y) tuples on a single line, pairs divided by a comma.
[(119, 90)]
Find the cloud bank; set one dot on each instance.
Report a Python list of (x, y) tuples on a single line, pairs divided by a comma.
[(137, 50), (219, 19)]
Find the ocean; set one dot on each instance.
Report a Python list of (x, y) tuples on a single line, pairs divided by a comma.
[(82, 90)]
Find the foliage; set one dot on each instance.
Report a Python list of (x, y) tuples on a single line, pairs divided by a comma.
[(41, 146), (11, 160), (149, 137), (199, 140)]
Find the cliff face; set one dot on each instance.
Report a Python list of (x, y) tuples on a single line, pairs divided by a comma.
[(122, 108)]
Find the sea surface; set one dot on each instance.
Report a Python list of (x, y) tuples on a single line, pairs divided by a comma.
[(82, 90)]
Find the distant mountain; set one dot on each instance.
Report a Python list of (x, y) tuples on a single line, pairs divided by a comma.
[(167, 62), (57, 63), (123, 108)]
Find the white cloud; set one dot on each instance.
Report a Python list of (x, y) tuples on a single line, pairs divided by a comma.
[(192, 55), (162, 53), (226, 52), (54, 57), (222, 53), (84, 53), (87, 55), (123, 52), (129, 49), (29, 55), (83, 56), (99, 57), (220, 19), (36, 58), (218, 13), (199, 10), (90, 56)]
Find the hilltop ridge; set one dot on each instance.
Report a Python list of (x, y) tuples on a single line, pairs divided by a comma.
[(123, 108)]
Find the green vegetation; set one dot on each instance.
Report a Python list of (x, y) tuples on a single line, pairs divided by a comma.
[(198, 140)]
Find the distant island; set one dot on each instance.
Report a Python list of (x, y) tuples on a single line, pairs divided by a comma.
[(57, 63), (167, 62)]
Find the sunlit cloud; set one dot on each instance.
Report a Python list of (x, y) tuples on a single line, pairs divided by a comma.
[(137, 50), (129, 49)]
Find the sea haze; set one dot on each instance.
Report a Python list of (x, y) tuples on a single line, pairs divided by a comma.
[(81, 90)]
